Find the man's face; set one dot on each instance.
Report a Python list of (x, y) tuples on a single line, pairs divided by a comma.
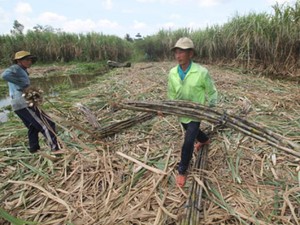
[(26, 63), (182, 56)]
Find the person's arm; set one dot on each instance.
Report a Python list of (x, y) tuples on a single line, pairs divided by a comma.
[(13, 76)]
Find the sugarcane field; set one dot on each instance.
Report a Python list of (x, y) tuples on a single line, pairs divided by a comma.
[(120, 158), (94, 132)]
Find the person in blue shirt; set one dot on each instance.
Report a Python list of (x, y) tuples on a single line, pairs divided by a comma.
[(33, 117)]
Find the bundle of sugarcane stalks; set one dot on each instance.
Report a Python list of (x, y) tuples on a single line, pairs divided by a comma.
[(192, 214), (218, 117), (108, 130), (118, 126)]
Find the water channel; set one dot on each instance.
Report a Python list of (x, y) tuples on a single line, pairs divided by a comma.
[(48, 84)]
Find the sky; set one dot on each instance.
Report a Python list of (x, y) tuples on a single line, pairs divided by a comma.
[(121, 17)]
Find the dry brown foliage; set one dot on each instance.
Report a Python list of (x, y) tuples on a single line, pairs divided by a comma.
[(129, 177)]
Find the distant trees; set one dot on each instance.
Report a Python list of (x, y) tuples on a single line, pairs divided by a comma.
[(138, 36), (128, 38), (46, 28), (17, 28)]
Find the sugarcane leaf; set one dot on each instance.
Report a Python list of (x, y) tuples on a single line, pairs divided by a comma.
[(15, 221)]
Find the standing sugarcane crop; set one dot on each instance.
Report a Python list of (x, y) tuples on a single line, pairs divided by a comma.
[(25, 101), (191, 82)]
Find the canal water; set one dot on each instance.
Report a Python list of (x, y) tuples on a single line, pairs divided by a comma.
[(48, 85)]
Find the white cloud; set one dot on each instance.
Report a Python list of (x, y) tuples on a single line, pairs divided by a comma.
[(127, 11), (3, 16), (147, 1), (107, 4), (159, 1), (201, 3), (23, 8), (107, 24), (79, 26), (139, 25), (175, 16), (209, 3), (168, 25), (85, 26), (49, 17)]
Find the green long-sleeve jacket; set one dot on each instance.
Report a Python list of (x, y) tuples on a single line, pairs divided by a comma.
[(197, 86)]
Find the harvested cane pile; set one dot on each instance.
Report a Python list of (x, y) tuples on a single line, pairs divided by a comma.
[(200, 112), (121, 170)]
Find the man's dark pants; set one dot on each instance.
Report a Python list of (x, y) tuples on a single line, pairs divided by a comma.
[(37, 121), (192, 133)]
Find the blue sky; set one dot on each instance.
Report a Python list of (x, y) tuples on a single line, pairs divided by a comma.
[(121, 17)]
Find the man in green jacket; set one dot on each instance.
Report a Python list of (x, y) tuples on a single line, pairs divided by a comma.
[(190, 82)]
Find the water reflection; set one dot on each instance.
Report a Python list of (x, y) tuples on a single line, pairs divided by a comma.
[(4, 116), (50, 86), (4, 102)]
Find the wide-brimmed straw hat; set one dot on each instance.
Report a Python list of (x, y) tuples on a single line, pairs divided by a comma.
[(184, 43), (24, 55)]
